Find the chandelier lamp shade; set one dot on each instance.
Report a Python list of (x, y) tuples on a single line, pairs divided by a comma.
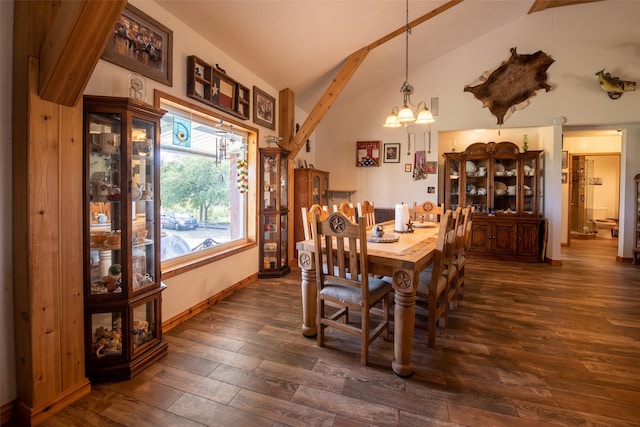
[(406, 114)]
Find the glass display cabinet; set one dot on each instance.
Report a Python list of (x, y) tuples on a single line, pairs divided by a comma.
[(273, 213), (311, 186), (122, 288), (636, 221), (504, 186)]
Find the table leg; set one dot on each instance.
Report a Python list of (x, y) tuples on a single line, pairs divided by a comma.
[(309, 290), (404, 320)]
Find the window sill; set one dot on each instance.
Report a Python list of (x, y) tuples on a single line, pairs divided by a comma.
[(173, 268)]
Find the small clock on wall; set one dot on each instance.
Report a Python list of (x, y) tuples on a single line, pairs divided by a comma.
[(136, 87)]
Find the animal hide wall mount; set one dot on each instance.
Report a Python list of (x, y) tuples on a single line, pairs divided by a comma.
[(509, 87)]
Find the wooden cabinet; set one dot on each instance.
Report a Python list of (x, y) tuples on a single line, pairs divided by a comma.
[(122, 287), (311, 186), (636, 221), (214, 87), (504, 186), (273, 213)]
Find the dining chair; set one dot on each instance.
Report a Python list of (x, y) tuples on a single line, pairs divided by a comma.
[(345, 282), (427, 211), (347, 209), (433, 282), (366, 210), (462, 257), (307, 217), (464, 215)]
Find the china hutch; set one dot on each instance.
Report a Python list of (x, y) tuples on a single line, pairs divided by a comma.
[(273, 222), (122, 287), (636, 221), (311, 187), (505, 187)]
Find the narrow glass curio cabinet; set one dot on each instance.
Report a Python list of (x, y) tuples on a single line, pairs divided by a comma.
[(273, 226), (122, 287)]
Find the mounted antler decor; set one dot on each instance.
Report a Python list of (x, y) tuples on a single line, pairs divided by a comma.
[(510, 86)]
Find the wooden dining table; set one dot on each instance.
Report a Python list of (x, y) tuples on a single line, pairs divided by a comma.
[(401, 260)]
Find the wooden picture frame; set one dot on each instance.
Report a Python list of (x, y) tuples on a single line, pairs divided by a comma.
[(149, 52), (565, 159), (367, 153), (392, 153), (264, 109), (432, 167), (564, 177), (407, 167)]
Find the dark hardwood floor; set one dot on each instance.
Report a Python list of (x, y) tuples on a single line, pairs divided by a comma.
[(529, 345)]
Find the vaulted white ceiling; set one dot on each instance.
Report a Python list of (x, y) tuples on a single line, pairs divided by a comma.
[(299, 44)]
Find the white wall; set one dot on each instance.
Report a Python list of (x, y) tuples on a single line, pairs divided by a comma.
[(186, 290), (582, 39), (7, 355)]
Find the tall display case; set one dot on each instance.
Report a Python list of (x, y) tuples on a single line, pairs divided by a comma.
[(504, 186), (311, 186), (122, 287), (636, 221), (273, 213)]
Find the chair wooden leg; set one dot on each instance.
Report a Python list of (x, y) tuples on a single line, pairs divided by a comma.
[(364, 338)]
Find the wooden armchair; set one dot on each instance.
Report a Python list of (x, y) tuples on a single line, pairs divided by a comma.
[(366, 210), (434, 282), (427, 211), (345, 282), (307, 217), (347, 209)]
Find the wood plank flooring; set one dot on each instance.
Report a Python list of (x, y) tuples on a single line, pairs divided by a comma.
[(529, 345)]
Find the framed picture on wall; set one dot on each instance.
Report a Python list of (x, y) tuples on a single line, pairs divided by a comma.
[(141, 44), (392, 153), (432, 167), (407, 167), (565, 159), (264, 109), (367, 153)]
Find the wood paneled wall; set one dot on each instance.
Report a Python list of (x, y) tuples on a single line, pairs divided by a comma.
[(47, 199)]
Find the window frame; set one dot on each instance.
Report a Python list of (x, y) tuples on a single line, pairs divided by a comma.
[(176, 266)]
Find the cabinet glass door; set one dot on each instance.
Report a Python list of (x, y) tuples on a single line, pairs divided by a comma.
[(530, 185), (144, 328), (505, 185), (270, 241), (284, 194), (142, 197), (283, 241), (315, 190), (453, 192), (105, 204), (477, 184), (270, 182)]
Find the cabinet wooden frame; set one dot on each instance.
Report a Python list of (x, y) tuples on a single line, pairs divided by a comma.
[(211, 86), (115, 299), (310, 187), (273, 213), (636, 219), (505, 187)]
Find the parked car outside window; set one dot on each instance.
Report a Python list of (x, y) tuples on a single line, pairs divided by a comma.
[(179, 221)]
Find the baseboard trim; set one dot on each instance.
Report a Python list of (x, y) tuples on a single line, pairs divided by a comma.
[(6, 412), (553, 262), (26, 415), (198, 308), (624, 260)]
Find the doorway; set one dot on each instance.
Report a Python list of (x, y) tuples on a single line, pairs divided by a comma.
[(591, 168)]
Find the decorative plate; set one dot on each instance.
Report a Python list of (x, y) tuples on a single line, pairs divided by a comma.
[(425, 224), (500, 185)]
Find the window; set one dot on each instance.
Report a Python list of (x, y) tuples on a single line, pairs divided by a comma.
[(203, 184)]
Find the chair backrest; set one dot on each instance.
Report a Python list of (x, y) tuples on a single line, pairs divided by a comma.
[(451, 233), (347, 209), (427, 211), (346, 241), (446, 233), (307, 217), (366, 210), (463, 223)]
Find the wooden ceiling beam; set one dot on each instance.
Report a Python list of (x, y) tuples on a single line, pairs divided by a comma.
[(540, 5), (74, 44), (345, 73)]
